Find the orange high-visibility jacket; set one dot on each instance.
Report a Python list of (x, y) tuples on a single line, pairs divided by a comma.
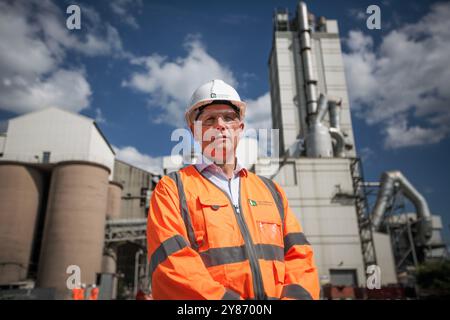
[(202, 247), (78, 294), (94, 294)]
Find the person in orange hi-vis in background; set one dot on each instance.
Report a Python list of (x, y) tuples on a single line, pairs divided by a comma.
[(218, 231), (78, 292), (93, 295)]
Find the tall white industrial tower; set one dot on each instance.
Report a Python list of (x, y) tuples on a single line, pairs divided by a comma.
[(318, 167)]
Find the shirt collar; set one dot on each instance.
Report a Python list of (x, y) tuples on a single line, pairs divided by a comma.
[(205, 163)]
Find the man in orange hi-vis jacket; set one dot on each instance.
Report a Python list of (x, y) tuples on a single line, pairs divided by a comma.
[(218, 231), (78, 292), (93, 295)]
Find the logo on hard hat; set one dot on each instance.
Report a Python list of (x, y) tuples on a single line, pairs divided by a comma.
[(213, 95)]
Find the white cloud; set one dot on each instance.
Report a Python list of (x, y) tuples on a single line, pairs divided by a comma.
[(99, 118), (132, 156), (170, 83), (259, 113), (122, 9), (34, 45), (366, 153), (399, 134), (259, 128), (359, 14), (65, 89), (402, 85)]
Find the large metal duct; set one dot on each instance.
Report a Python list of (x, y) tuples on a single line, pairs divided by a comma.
[(20, 199), (318, 140), (338, 142), (114, 200), (334, 109), (321, 109), (74, 225), (389, 181)]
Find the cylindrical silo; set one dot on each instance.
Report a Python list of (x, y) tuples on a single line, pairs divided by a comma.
[(114, 200), (20, 198), (74, 224)]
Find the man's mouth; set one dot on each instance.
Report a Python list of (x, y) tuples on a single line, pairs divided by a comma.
[(220, 138)]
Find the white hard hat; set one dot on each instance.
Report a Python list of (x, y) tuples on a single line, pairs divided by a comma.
[(211, 91)]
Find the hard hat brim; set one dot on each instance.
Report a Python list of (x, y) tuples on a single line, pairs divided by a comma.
[(189, 113)]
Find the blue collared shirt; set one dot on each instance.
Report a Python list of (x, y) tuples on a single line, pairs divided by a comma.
[(216, 175)]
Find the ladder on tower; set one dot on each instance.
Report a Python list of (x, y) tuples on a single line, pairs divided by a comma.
[(363, 213)]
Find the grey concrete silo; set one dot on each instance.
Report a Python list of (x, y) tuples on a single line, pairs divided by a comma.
[(74, 224), (20, 199)]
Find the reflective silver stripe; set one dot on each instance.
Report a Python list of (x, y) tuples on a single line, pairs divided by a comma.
[(175, 176), (218, 256), (276, 196), (295, 291), (165, 249), (269, 252), (231, 295), (294, 238), (227, 255)]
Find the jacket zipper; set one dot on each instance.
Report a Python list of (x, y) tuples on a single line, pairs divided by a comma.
[(258, 286)]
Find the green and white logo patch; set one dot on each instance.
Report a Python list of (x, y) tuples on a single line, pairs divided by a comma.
[(252, 202)]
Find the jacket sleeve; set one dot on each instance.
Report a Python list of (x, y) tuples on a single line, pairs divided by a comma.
[(177, 271), (301, 280)]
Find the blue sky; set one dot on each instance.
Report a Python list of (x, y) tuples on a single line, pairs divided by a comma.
[(133, 65)]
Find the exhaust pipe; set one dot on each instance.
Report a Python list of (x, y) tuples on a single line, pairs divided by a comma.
[(305, 41), (389, 180)]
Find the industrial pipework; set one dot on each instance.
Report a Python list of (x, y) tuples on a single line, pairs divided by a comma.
[(319, 137), (391, 180), (334, 109), (318, 140), (305, 41)]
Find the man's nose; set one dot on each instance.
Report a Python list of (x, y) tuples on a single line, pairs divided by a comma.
[(220, 124)]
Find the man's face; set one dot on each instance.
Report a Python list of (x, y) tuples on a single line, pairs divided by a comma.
[(218, 129)]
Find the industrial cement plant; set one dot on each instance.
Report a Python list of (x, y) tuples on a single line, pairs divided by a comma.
[(65, 200)]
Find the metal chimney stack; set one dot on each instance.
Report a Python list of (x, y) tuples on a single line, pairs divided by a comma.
[(318, 139)]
